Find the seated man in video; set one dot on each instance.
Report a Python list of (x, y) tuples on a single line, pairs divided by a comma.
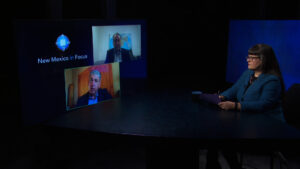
[(118, 54), (95, 93)]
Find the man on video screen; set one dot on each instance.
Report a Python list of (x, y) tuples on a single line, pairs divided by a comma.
[(118, 54), (95, 93)]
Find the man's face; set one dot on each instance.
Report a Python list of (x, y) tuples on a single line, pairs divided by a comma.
[(117, 42), (94, 84)]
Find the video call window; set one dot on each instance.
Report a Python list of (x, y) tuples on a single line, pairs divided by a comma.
[(119, 43), (91, 84)]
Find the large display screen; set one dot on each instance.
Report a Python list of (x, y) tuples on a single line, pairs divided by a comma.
[(56, 59)]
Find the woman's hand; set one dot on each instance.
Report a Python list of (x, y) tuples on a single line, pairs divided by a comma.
[(227, 105), (221, 97)]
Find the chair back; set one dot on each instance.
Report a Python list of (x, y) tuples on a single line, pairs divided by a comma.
[(291, 105)]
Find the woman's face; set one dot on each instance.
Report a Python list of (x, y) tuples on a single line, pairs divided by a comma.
[(254, 62)]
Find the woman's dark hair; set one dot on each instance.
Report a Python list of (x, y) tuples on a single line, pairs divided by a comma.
[(269, 62)]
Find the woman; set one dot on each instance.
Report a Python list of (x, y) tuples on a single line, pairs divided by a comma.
[(259, 89)]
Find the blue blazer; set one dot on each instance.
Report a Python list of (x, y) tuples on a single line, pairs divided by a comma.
[(263, 95)]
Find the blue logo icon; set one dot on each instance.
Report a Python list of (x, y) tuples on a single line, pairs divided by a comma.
[(62, 42)]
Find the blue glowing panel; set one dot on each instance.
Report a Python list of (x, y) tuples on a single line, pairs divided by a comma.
[(62, 42), (282, 35)]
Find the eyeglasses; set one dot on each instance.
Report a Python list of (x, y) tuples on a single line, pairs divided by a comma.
[(252, 58)]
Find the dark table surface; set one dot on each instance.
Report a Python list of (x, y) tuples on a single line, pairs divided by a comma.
[(172, 113)]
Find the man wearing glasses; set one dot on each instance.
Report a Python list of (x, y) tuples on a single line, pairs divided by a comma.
[(118, 54)]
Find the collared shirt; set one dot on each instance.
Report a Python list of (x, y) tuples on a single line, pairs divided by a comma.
[(118, 56), (93, 101)]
